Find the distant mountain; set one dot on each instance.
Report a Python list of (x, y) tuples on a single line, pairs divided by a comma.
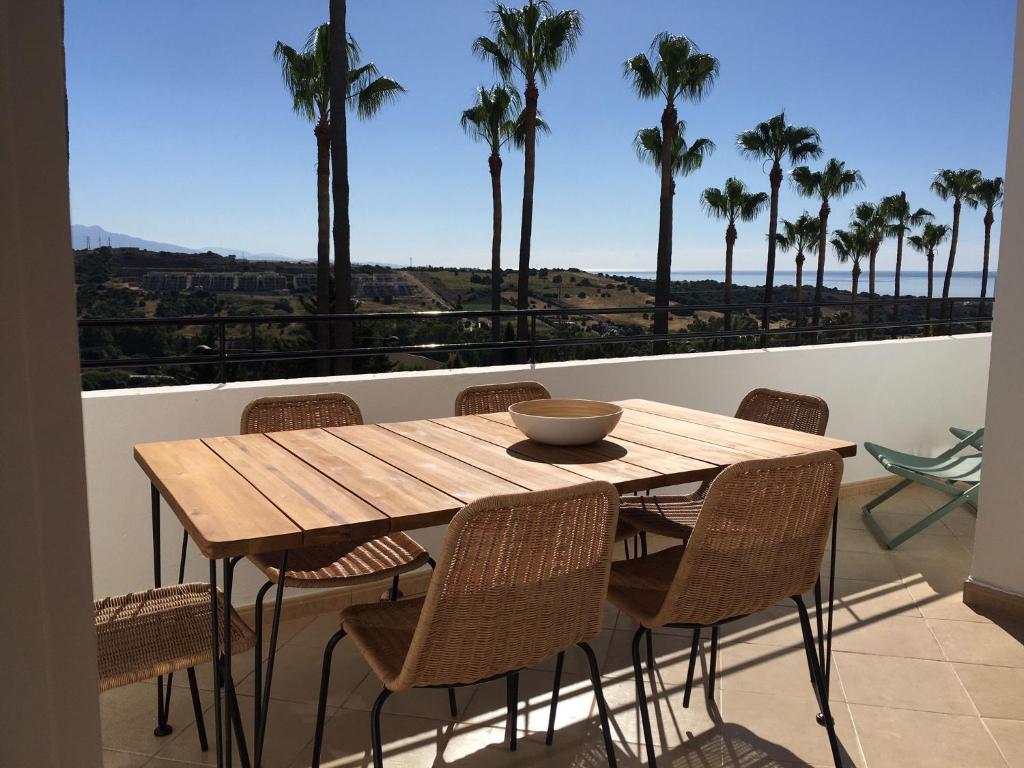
[(83, 236)]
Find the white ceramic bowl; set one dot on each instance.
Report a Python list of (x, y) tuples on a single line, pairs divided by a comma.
[(565, 422)]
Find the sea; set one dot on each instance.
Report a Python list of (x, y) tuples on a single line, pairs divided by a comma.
[(912, 283)]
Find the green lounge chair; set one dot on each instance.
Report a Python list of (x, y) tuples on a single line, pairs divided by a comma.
[(951, 472)]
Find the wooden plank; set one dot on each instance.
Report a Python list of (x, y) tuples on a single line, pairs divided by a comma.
[(713, 454), (753, 446), (223, 513), (407, 501), (587, 462), (804, 440), (484, 455), (324, 510), (447, 474), (672, 464)]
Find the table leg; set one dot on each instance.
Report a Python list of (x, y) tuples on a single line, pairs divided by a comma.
[(826, 647), (163, 702), (217, 687), (265, 706), (229, 572)]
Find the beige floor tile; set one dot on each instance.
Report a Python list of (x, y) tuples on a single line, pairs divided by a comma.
[(409, 742), (940, 596), (860, 540), (128, 716), (158, 762), (430, 703), (996, 691), (297, 670), (858, 601), (763, 669), (784, 729), (896, 636), (978, 643), (575, 665), (672, 654), (889, 681), (777, 626), (579, 746), (289, 728), (866, 566), (894, 521), (1009, 736), (114, 759), (934, 547), (241, 668), (318, 631), (961, 521), (904, 738)]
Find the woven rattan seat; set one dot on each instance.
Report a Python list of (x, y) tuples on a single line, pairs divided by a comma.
[(496, 398), (329, 565), (159, 631), (673, 516)]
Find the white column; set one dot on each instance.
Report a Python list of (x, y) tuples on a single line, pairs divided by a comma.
[(999, 539), (49, 713)]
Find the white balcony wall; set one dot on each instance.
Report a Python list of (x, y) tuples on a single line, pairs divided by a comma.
[(900, 393)]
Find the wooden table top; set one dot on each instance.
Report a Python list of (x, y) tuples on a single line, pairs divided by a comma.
[(243, 494)]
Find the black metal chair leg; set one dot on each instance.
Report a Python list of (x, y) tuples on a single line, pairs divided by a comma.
[(258, 654), (819, 681), (625, 544), (197, 710), (650, 653), (602, 708), (378, 705), (453, 705), (712, 668), (325, 684), (643, 543), (236, 719), (819, 620), (641, 698), (555, 688), (512, 691), (394, 588), (694, 650)]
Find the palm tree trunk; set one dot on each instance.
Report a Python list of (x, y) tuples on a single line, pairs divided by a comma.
[(819, 283), (494, 165), (799, 287), (872, 259), (323, 240), (339, 185), (730, 241), (989, 220), (775, 177), (663, 276), (947, 281), (854, 312), (899, 269), (931, 273), (526, 231)]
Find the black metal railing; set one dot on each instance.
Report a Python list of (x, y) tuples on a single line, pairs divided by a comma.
[(235, 339)]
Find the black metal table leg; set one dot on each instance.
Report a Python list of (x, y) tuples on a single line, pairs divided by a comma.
[(217, 687), (163, 702), (261, 731), (229, 572)]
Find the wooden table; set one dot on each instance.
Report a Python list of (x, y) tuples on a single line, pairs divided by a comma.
[(244, 494)]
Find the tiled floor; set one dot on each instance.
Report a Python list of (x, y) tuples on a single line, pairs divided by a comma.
[(918, 680)]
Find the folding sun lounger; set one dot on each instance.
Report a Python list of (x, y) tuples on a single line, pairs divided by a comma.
[(952, 472)]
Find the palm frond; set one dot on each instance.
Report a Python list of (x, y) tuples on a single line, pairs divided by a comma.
[(643, 77), (369, 100)]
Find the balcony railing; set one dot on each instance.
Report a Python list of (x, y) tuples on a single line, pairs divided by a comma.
[(234, 339)]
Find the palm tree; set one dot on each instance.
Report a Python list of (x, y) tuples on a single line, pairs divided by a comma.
[(777, 140), (731, 203), (850, 246), (675, 70), (800, 235), (492, 120), (899, 219), (360, 87), (868, 220), (960, 185), (833, 181), (990, 194), (533, 42), (931, 237)]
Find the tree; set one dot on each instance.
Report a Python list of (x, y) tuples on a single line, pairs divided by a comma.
[(851, 246), (776, 140), (800, 235), (496, 119), (533, 42), (989, 194), (899, 219), (674, 70), (931, 237), (960, 185), (833, 181), (731, 203), (869, 222), (364, 90)]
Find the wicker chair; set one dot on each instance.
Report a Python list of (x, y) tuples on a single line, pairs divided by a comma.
[(158, 632), (759, 539), (495, 398), (674, 516), (521, 578), (325, 565)]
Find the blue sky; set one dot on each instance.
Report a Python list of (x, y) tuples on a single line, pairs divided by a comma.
[(181, 130)]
